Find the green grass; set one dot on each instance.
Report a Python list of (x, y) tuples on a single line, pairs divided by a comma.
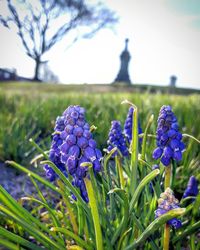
[(128, 220), (29, 111)]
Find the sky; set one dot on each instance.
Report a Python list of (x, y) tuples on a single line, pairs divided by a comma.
[(164, 40)]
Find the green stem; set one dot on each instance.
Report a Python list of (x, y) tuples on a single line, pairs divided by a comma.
[(134, 152), (167, 227), (155, 225), (120, 171), (192, 137), (94, 209), (140, 187)]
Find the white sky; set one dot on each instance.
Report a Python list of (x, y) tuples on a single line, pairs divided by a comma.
[(164, 40)]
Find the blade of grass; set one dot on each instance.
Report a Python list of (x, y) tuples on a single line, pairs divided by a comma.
[(94, 208), (189, 231), (18, 210), (41, 237), (69, 207), (155, 225), (69, 185), (122, 227), (70, 234), (37, 177), (8, 244), (140, 187), (17, 239)]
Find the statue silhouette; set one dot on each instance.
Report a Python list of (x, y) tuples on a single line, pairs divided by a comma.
[(123, 75)]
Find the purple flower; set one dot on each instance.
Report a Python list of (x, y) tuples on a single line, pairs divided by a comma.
[(167, 202), (169, 144), (116, 139), (192, 188), (72, 145), (128, 125), (157, 153)]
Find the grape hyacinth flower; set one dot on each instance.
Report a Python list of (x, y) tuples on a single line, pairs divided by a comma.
[(73, 145), (128, 126), (167, 202), (116, 139), (192, 188), (169, 139)]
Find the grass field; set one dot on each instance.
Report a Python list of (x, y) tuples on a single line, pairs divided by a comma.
[(29, 111)]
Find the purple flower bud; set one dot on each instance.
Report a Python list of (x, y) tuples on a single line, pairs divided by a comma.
[(92, 143), (71, 164), (71, 121), (64, 158), (128, 125), (97, 166), (175, 223), (166, 203), (87, 134), (155, 166), (64, 148), (63, 135), (70, 148), (89, 153), (164, 137), (192, 188), (78, 131), (74, 114), (116, 139), (168, 152), (177, 156), (74, 151), (175, 126), (174, 143), (82, 142), (80, 122), (159, 212), (69, 128), (157, 153), (171, 133), (98, 153), (71, 140), (86, 126), (82, 111), (165, 160), (179, 136), (168, 137)]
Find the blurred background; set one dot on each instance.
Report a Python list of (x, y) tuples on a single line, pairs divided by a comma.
[(56, 53), (164, 38)]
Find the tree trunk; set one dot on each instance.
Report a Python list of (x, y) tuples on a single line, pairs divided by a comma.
[(37, 67)]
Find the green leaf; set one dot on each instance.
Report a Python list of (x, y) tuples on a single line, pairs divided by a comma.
[(8, 244), (36, 233), (34, 175), (71, 235), (122, 227), (140, 187), (17, 239), (93, 201), (189, 231), (69, 185), (155, 225)]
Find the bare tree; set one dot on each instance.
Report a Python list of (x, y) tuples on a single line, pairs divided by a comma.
[(42, 23)]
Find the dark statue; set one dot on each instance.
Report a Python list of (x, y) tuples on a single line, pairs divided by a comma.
[(173, 80), (123, 75)]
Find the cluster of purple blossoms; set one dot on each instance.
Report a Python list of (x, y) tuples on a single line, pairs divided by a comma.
[(72, 145), (128, 126), (116, 139), (192, 188), (167, 202), (169, 139)]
